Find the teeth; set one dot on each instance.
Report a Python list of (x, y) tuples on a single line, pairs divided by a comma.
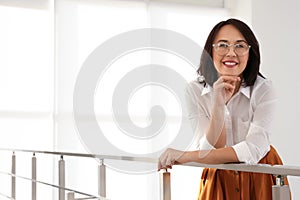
[(229, 63)]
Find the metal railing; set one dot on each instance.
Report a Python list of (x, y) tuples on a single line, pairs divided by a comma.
[(279, 191)]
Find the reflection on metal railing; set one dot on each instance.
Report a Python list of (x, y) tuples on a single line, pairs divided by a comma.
[(279, 191)]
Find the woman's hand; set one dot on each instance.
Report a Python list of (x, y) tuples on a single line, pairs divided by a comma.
[(224, 88), (169, 158)]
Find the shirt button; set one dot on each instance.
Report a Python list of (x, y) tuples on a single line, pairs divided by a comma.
[(237, 189), (227, 112)]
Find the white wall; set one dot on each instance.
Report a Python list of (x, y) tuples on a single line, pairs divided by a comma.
[(277, 27), (241, 9)]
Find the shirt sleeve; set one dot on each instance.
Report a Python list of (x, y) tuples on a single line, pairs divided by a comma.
[(257, 142), (197, 115)]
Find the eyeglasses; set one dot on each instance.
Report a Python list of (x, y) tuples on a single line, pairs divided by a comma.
[(240, 48)]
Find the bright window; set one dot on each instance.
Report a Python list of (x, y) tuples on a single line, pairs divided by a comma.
[(43, 46)]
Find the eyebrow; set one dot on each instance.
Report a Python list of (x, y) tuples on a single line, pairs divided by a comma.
[(235, 41)]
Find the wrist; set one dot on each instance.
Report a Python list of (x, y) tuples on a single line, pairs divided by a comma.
[(185, 157)]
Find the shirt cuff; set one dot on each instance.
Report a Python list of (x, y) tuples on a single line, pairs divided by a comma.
[(243, 153), (204, 144)]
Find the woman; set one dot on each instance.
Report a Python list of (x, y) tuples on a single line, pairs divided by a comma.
[(231, 106)]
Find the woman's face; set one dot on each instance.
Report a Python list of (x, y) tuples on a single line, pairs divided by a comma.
[(230, 63)]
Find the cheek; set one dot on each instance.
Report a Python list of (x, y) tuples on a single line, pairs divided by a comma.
[(216, 59), (217, 62), (244, 62)]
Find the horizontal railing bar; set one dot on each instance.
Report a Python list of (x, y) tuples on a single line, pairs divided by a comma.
[(52, 185), (109, 157), (284, 170), (50, 152), (128, 158), (4, 195), (258, 168)]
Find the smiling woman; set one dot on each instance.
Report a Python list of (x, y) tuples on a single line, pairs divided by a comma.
[(232, 112)]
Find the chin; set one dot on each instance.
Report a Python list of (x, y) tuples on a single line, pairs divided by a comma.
[(229, 74)]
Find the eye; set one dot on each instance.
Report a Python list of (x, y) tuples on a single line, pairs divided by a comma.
[(241, 46), (223, 45)]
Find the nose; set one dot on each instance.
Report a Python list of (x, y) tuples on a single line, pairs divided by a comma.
[(231, 51)]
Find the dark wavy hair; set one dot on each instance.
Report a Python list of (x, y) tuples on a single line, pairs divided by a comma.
[(207, 68)]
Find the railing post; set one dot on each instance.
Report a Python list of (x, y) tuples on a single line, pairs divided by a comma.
[(33, 177), (13, 178), (165, 185), (102, 179), (61, 178), (280, 191), (71, 196)]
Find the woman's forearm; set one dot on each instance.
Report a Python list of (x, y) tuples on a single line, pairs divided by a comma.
[(215, 156), (216, 132)]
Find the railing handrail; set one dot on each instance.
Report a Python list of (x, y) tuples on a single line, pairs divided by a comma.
[(257, 168), (284, 170), (101, 157)]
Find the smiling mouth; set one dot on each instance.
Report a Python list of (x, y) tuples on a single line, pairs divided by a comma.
[(230, 64)]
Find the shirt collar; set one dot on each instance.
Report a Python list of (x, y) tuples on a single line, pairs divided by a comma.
[(244, 90), (206, 89)]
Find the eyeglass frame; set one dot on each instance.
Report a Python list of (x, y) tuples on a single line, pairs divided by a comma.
[(228, 47)]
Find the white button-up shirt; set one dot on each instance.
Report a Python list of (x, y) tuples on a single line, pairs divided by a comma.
[(247, 117)]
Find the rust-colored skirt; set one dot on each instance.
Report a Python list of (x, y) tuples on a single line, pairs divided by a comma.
[(234, 185)]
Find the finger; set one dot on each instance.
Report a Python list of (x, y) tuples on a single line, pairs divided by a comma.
[(166, 167), (169, 161), (159, 166), (228, 86), (163, 161), (232, 79), (225, 79)]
